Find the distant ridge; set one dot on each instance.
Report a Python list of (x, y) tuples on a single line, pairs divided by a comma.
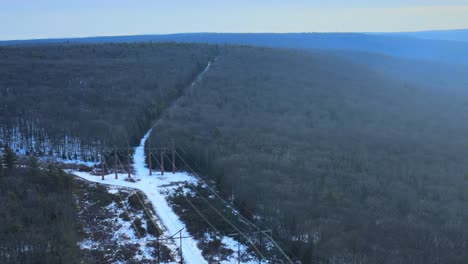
[(453, 52), (451, 35)]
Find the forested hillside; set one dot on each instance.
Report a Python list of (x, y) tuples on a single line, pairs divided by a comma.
[(348, 157), (38, 215), (439, 49), (448, 78), (344, 163), (63, 98)]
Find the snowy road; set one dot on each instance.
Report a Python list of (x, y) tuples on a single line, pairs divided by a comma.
[(152, 187), (156, 187)]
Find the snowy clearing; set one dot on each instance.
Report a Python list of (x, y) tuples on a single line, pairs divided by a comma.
[(156, 187)]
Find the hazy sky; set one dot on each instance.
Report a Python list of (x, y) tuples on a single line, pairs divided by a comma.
[(22, 19)]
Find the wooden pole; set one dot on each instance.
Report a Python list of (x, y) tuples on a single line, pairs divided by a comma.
[(149, 157), (115, 163), (173, 157), (180, 247), (238, 252), (260, 255), (102, 167), (159, 251), (162, 161), (129, 169)]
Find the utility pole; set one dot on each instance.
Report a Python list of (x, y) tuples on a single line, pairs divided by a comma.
[(162, 161), (115, 163), (180, 247), (149, 156), (102, 166), (260, 255), (159, 250), (129, 169), (173, 157), (238, 252)]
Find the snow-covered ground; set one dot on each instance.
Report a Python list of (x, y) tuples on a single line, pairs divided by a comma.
[(28, 138), (120, 232), (153, 186), (156, 188)]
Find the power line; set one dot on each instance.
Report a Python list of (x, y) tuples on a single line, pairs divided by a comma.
[(222, 216), (110, 149), (245, 219), (201, 215), (107, 150), (152, 220), (143, 205)]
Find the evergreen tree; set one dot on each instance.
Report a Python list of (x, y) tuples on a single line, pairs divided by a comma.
[(9, 158)]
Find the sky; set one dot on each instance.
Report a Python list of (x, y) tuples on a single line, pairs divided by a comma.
[(29, 19)]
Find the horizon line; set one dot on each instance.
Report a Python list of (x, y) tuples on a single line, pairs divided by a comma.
[(215, 32)]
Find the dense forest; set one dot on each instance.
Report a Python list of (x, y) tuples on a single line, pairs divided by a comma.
[(344, 163), (72, 98), (446, 49), (38, 214), (348, 157)]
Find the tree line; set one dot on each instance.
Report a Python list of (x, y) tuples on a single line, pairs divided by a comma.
[(68, 100)]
